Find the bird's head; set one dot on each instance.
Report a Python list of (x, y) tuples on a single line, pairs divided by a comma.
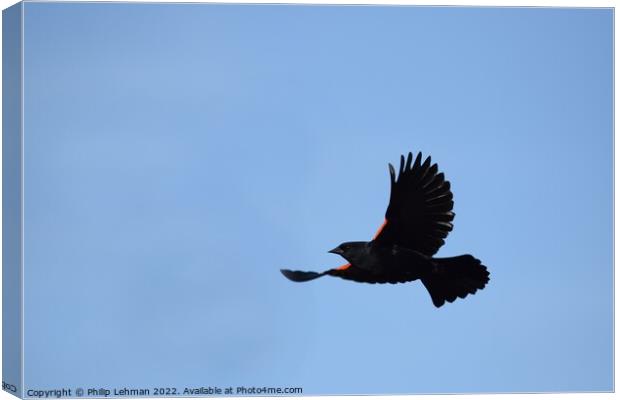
[(351, 250)]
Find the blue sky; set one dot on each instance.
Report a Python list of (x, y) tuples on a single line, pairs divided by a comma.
[(177, 156)]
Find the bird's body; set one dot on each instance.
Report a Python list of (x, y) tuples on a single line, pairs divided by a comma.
[(383, 263), (418, 219)]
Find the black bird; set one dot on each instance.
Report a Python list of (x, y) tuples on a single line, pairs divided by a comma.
[(418, 219)]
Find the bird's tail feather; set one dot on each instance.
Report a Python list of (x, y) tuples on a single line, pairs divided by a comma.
[(301, 276), (454, 277)]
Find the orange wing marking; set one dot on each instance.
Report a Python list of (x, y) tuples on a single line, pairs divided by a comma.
[(346, 266), (380, 229)]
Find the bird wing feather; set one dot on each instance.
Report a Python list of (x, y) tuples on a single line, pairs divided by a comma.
[(419, 215)]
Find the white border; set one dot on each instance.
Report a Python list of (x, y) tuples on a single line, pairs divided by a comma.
[(428, 3)]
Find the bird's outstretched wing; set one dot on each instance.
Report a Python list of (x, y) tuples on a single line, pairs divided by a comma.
[(303, 276), (419, 215), (351, 273)]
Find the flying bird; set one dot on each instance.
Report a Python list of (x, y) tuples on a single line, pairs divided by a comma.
[(418, 218)]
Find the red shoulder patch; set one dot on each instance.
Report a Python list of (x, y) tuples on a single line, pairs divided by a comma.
[(380, 229)]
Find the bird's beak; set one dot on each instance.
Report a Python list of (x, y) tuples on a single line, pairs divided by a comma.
[(337, 250)]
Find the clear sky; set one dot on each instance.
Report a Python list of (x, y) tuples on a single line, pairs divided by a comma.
[(177, 156)]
